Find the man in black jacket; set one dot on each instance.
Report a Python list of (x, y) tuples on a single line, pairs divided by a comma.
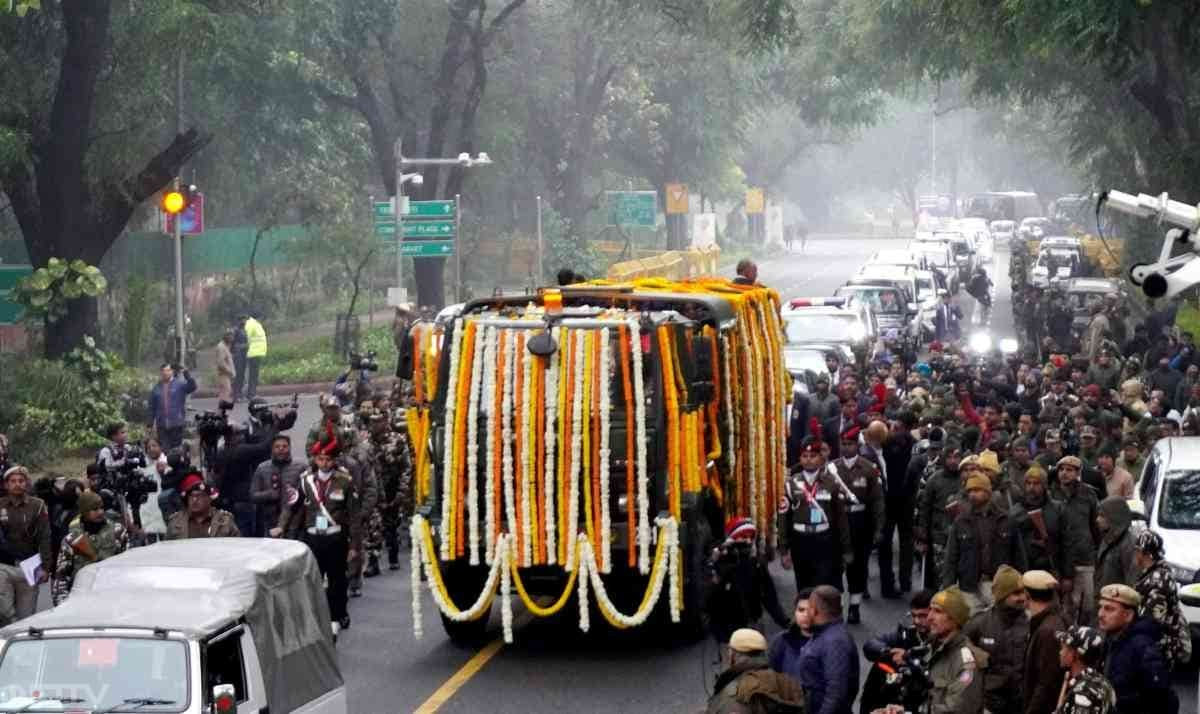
[(239, 459), (1135, 665), (899, 502)]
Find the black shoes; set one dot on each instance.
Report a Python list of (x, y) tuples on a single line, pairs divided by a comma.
[(854, 617), (344, 623), (372, 567)]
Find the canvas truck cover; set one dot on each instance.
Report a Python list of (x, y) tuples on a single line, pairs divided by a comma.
[(200, 586)]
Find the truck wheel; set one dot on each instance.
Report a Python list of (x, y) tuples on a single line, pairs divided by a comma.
[(692, 620), (464, 583)]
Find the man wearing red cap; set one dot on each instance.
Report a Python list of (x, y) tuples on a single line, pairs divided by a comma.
[(865, 518), (326, 512), (814, 535), (742, 588), (199, 519)]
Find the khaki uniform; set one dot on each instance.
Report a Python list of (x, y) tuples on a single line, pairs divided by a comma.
[(219, 524), (80, 549), (865, 519), (26, 525), (956, 669)]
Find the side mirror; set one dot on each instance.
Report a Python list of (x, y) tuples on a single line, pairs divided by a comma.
[(224, 699)]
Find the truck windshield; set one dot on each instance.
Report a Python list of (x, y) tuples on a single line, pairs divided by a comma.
[(93, 673)]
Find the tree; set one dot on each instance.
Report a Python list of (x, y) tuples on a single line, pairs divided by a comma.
[(67, 204)]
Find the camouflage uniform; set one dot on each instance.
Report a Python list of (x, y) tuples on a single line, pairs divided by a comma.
[(360, 462), (394, 470), (1160, 602), (1088, 693), (88, 548)]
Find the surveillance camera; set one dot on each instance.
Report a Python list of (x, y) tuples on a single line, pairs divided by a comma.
[(418, 180), (464, 158), (483, 158)]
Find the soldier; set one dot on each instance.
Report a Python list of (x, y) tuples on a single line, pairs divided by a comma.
[(25, 522), (1086, 690), (865, 519), (327, 512), (955, 665), (359, 461), (394, 472), (937, 506), (1080, 506), (1160, 598), (814, 534), (1040, 521), (92, 537), (199, 519), (1001, 631), (979, 542)]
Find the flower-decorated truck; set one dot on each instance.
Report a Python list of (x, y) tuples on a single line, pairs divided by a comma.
[(583, 446)]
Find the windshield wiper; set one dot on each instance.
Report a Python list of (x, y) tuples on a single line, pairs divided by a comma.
[(134, 703), (38, 700)]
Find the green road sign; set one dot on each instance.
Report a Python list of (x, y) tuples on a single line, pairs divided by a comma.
[(385, 230), (633, 209), (428, 229), (10, 311), (430, 209), (383, 212), (427, 248)]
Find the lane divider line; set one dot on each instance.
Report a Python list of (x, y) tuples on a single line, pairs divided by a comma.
[(450, 687)]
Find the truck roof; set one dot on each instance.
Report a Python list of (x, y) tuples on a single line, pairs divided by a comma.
[(713, 309)]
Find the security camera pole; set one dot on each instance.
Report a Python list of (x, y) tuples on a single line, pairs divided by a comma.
[(464, 160)]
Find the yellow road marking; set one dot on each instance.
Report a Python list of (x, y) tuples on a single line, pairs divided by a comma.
[(457, 680)]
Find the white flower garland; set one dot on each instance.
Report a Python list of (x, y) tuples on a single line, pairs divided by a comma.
[(590, 572), (506, 615), (448, 465), (605, 470), (448, 608), (643, 476), (528, 505), (730, 451), (493, 432), (414, 570), (576, 445), (473, 449), (751, 430), (506, 430), (551, 470)]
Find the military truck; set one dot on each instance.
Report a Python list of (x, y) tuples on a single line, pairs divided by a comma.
[(596, 438)]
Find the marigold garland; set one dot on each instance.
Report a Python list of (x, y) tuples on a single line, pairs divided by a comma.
[(491, 467), (630, 494), (472, 427), (551, 397)]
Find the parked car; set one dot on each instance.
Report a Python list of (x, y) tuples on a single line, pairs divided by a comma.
[(806, 363), (891, 294), (1168, 495), (1003, 232), (938, 255), (831, 321)]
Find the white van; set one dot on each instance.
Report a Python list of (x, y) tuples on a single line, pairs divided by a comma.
[(205, 626)]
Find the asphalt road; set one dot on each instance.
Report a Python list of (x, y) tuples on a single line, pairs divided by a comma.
[(552, 666)]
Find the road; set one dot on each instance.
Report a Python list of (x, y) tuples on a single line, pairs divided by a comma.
[(552, 666)]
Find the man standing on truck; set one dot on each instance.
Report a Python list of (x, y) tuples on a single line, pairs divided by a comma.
[(814, 534)]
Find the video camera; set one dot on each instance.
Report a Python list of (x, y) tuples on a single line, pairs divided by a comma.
[(124, 477), (265, 413), (212, 425), (364, 362)]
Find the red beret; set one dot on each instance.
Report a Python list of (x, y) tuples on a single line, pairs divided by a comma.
[(1092, 390), (850, 434), (190, 482)]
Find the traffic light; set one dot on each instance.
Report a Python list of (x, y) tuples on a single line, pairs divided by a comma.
[(176, 201)]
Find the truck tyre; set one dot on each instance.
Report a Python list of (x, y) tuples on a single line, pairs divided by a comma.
[(463, 583), (692, 620)]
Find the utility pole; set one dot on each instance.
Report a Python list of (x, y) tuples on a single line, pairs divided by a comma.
[(398, 212), (180, 334)]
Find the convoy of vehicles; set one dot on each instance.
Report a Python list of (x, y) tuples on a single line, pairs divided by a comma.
[(1082, 293), (189, 626), (1003, 205), (832, 321)]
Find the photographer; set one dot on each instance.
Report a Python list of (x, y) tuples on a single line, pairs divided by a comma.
[(742, 587), (266, 421), (167, 405), (898, 675), (112, 457), (238, 460)]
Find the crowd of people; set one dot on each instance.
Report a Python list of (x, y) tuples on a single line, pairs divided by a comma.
[(1005, 480)]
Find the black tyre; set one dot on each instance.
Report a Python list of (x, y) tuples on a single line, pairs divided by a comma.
[(464, 584)]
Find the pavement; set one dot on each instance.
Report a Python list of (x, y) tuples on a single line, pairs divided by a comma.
[(552, 666)]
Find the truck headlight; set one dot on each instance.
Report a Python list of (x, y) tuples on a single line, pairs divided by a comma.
[(1008, 346), (980, 342)]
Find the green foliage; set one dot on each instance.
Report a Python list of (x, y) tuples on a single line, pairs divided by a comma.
[(141, 296), (313, 361), (46, 291)]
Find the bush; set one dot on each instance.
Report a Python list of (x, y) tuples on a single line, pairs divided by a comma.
[(314, 361)]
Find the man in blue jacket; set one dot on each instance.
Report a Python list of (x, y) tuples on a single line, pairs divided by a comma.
[(829, 662), (1135, 664), (168, 405)]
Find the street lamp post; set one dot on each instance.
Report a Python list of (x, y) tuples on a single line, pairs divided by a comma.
[(464, 160)]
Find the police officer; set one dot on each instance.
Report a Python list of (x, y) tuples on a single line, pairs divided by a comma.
[(955, 666), (1080, 506), (814, 534), (327, 512), (1001, 631), (25, 521), (91, 538), (1040, 521), (1087, 691), (866, 516), (199, 519), (937, 505)]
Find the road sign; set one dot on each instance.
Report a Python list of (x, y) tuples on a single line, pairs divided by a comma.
[(430, 209), (10, 311), (677, 198), (428, 229), (385, 230), (384, 212), (192, 216), (632, 209), (755, 201), (427, 248)]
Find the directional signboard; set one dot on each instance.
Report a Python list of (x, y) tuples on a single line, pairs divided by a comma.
[(427, 248), (385, 219), (428, 229), (632, 209), (430, 209)]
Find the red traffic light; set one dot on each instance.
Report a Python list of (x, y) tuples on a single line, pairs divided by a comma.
[(174, 202)]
